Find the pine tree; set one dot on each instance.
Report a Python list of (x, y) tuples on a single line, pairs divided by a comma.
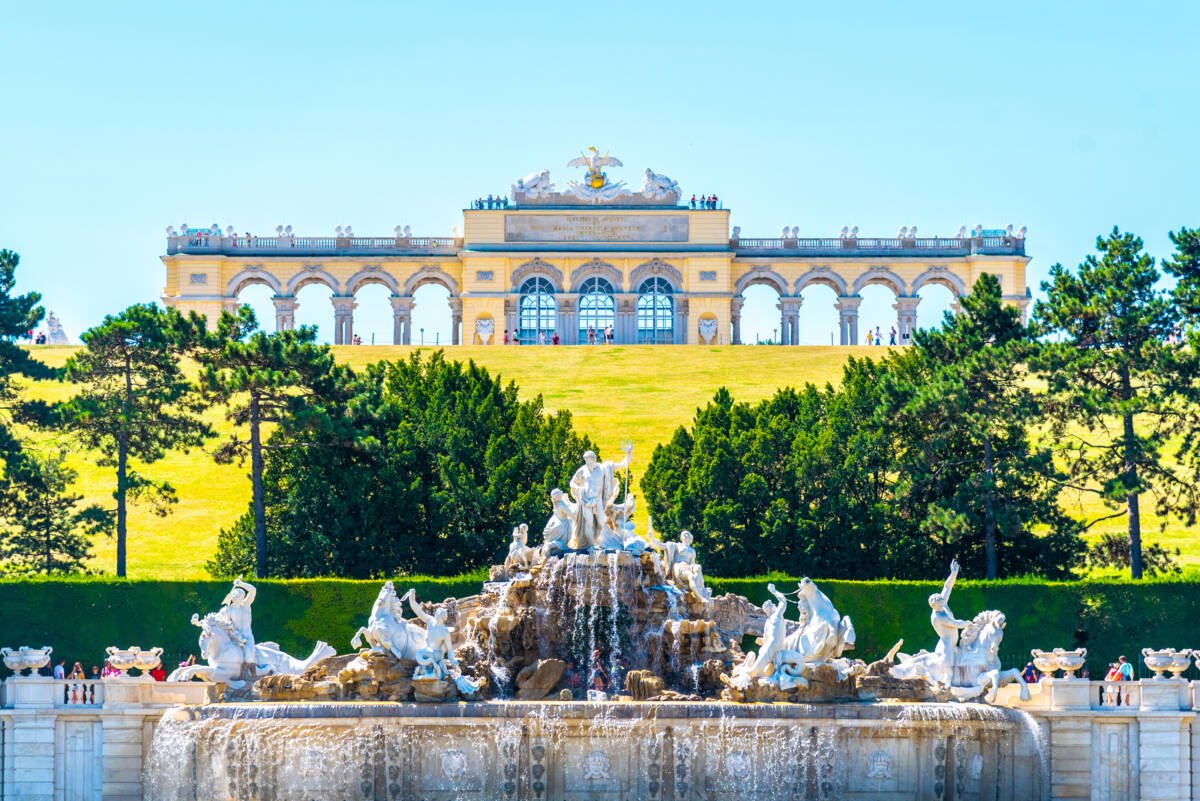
[(134, 401), (19, 315), (44, 528), (1112, 371), (265, 377)]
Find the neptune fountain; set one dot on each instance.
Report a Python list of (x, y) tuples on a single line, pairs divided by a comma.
[(598, 665)]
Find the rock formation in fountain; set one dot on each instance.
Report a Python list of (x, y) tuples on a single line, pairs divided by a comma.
[(233, 657)]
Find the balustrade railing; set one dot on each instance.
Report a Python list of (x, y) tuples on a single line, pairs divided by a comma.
[(299, 245), (82, 692), (836, 246)]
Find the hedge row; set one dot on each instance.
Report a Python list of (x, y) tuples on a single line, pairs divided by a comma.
[(80, 617)]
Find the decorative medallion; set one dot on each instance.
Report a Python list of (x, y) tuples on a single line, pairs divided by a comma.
[(597, 766), (454, 763)]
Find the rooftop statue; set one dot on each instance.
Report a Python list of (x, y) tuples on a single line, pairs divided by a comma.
[(534, 185), (966, 658), (227, 644), (659, 186)]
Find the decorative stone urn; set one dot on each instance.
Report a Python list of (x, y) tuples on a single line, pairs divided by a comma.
[(124, 660), (26, 658), (146, 661), (1070, 661), (1046, 661), (1180, 662), (1158, 661)]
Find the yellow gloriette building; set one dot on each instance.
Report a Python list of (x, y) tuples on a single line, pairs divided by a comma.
[(656, 268)]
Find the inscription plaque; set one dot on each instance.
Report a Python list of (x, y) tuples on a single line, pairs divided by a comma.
[(595, 228)]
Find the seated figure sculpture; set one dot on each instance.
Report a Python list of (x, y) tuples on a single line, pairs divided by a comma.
[(437, 659), (557, 532), (521, 557), (683, 569)]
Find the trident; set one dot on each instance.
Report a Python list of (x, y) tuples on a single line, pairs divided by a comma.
[(627, 447)]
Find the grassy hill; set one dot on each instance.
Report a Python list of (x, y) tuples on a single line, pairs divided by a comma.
[(614, 393)]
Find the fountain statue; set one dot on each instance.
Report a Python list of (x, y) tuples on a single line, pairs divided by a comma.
[(599, 611), (227, 644), (968, 664)]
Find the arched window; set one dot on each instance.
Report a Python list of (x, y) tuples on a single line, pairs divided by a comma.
[(597, 310), (537, 311), (655, 313)]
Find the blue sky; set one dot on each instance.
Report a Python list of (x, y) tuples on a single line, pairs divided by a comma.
[(122, 118)]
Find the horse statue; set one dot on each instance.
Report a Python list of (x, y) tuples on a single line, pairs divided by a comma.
[(975, 671), (227, 645), (823, 634), (387, 630)]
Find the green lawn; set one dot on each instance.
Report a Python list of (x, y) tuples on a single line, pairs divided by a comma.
[(615, 393)]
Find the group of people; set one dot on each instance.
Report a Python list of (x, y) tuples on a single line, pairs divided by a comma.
[(705, 202), (876, 337), (490, 202), (77, 672), (603, 336)]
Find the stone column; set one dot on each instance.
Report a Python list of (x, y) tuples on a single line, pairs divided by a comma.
[(343, 319), (735, 317), (682, 331), (230, 305), (285, 312), (790, 308), (626, 325), (510, 318), (455, 319), (906, 317), (847, 307), (402, 306), (1022, 302), (568, 332)]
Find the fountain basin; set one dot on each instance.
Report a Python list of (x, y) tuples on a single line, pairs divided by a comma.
[(572, 750)]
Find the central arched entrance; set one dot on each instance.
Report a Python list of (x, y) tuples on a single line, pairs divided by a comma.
[(597, 310)]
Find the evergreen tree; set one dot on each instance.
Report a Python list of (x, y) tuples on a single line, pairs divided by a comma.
[(1111, 371), (409, 467), (44, 528), (262, 378), (134, 402), (961, 407), (19, 315), (1184, 265)]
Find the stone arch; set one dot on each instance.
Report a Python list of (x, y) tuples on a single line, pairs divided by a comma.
[(655, 267), (430, 274), (761, 274), (371, 274), (252, 275), (823, 276), (537, 267), (882, 275), (314, 274), (938, 274), (592, 268)]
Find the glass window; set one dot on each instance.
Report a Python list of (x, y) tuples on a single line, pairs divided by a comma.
[(655, 313), (537, 312), (597, 310)]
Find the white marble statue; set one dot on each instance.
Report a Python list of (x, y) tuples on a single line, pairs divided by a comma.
[(54, 330), (534, 185), (761, 664), (659, 186), (822, 634), (558, 528), (387, 630), (437, 633), (594, 488), (484, 329), (521, 557), (708, 329), (683, 569), (968, 664), (227, 644)]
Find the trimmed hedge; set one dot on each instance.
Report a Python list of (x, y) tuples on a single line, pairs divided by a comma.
[(80, 617)]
